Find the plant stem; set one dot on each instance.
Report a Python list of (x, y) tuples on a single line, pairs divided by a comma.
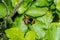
[(14, 10), (6, 7)]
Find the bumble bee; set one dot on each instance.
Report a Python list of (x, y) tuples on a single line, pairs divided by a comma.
[(28, 20)]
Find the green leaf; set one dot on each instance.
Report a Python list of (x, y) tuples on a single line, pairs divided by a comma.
[(24, 6), (30, 35), (57, 3), (14, 2), (15, 39), (42, 3), (35, 12), (10, 7), (38, 27), (19, 22), (53, 7), (53, 32), (14, 33), (2, 10), (49, 0), (47, 19)]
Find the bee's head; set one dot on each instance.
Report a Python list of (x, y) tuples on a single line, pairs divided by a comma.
[(29, 20)]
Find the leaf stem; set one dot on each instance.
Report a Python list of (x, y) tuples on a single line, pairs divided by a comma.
[(6, 7), (14, 10)]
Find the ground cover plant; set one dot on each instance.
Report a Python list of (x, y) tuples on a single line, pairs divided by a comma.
[(29, 19)]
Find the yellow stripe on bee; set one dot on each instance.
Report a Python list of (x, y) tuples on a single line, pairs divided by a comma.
[(33, 21)]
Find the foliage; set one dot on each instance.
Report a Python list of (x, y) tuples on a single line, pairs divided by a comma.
[(30, 20)]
